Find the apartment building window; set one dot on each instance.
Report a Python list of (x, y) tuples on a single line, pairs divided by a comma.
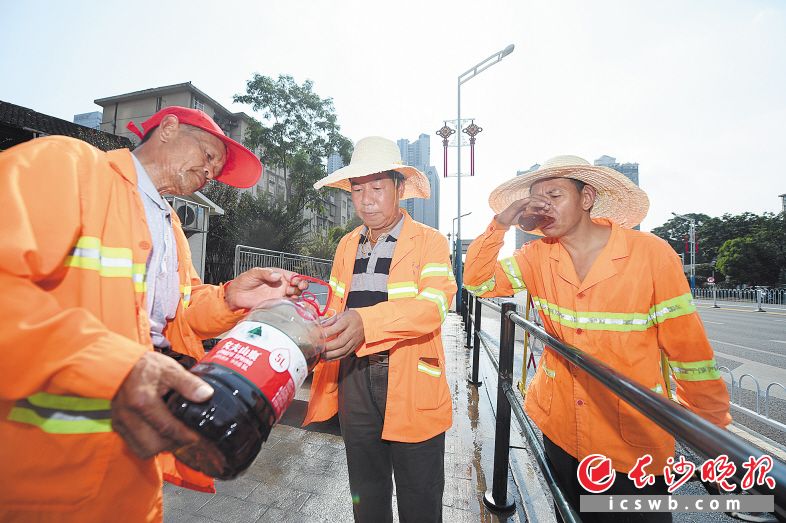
[(199, 105), (159, 101)]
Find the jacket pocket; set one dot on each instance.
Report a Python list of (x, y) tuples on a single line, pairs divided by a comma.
[(638, 431), (60, 471), (542, 386), (429, 383)]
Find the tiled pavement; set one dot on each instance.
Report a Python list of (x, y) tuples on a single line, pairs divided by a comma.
[(301, 474)]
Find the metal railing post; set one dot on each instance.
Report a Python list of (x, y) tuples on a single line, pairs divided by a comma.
[(473, 379), (759, 292), (715, 297), (464, 318), (470, 318), (496, 499)]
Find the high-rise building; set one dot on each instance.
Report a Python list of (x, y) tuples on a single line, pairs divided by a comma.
[(91, 120), (418, 154), (630, 170), (334, 163), (783, 202)]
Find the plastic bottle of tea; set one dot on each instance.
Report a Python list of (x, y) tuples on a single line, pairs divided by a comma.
[(255, 371)]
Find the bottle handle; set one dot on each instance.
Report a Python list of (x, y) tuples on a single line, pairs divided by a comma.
[(311, 298)]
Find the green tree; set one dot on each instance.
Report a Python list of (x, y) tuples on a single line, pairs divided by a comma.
[(271, 223), (323, 244), (256, 221), (223, 233), (713, 233), (298, 129), (749, 260), (751, 247), (676, 232)]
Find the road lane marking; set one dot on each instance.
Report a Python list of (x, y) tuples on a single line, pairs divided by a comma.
[(768, 312), (778, 341), (747, 348), (715, 322)]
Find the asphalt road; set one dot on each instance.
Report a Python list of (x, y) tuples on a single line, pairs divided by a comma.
[(747, 344)]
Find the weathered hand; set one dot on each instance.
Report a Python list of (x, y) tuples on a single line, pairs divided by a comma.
[(139, 413), (345, 334), (513, 212), (256, 285)]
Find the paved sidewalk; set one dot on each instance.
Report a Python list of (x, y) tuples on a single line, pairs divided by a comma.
[(301, 474)]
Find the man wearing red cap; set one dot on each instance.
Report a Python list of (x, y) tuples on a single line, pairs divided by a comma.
[(96, 272)]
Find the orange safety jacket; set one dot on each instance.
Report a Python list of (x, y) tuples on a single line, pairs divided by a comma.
[(74, 323), (633, 304), (421, 287)]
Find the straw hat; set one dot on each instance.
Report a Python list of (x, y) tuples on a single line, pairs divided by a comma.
[(618, 198), (375, 155)]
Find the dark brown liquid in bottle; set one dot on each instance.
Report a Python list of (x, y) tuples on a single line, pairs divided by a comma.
[(530, 222), (237, 419)]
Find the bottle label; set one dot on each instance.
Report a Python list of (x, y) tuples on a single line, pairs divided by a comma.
[(265, 356)]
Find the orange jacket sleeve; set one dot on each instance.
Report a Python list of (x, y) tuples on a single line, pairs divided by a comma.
[(425, 308), (206, 312), (208, 315), (486, 276), (681, 336), (65, 349)]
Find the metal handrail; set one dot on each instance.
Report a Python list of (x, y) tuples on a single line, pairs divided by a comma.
[(702, 436), (527, 429)]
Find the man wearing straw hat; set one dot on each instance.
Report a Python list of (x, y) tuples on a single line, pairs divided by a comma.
[(385, 374), (613, 292)]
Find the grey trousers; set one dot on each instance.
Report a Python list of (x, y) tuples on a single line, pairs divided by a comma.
[(418, 468)]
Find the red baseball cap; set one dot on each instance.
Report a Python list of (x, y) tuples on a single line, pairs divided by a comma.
[(242, 167)]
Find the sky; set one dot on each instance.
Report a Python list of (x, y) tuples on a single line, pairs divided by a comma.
[(693, 91)]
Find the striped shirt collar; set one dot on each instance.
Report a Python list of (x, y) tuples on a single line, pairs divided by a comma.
[(394, 233)]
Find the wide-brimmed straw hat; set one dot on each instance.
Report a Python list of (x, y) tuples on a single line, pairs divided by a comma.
[(618, 198), (375, 155)]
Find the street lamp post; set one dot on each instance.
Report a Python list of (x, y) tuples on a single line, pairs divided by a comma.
[(692, 246), (456, 246), (463, 78)]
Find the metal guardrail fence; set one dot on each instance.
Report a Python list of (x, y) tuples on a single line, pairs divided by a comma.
[(248, 257), (761, 400), (765, 296), (700, 435)]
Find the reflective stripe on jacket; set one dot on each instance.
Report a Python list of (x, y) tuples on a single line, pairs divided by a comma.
[(72, 263), (421, 287), (633, 303)]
